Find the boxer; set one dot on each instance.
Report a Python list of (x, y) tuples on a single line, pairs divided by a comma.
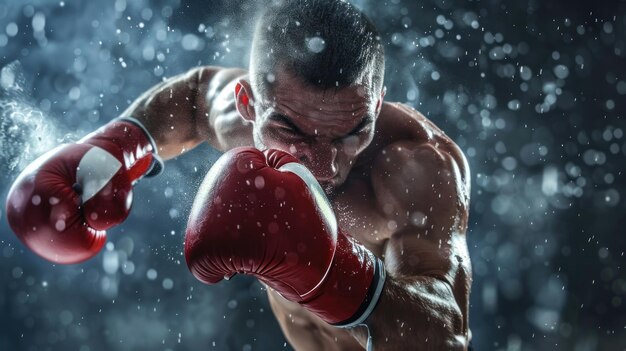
[(361, 204)]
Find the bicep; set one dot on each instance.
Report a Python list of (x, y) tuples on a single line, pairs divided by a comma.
[(421, 190), (421, 186)]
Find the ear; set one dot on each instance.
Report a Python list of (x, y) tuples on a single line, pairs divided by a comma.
[(244, 100), (379, 104)]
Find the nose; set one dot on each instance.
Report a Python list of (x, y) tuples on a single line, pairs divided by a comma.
[(320, 159)]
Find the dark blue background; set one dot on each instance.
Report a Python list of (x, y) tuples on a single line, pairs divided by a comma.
[(533, 92)]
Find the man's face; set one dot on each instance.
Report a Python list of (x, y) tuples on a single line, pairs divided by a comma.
[(325, 130)]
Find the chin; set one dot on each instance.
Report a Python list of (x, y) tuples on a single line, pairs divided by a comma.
[(330, 186), (329, 189)]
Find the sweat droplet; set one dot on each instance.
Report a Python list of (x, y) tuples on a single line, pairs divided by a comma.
[(316, 44), (60, 225), (279, 193), (259, 182), (418, 219)]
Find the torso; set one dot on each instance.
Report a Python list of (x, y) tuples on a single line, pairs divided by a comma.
[(357, 212), (359, 215)]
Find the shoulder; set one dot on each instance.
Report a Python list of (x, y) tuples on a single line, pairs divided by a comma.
[(207, 73), (206, 84), (203, 75), (216, 100), (212, 79), (418, 169), (401, 128)]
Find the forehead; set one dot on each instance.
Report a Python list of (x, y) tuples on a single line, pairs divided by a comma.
[(291, 92)]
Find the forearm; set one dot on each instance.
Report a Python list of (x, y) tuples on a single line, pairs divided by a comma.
[(418, 313), (173, 114)]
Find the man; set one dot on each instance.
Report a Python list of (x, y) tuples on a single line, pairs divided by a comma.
[(399, 187)]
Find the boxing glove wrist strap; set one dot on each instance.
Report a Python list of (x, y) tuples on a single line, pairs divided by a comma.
[(374, 293), (157, 166), (353, 266)]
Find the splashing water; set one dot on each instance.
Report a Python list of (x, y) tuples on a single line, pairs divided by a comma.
[(25, 131)]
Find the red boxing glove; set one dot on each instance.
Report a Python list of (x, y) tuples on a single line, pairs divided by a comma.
[(62, 203), (264, 214)]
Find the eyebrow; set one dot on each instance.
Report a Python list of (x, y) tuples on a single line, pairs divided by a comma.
[(364, 122), (286, 120)]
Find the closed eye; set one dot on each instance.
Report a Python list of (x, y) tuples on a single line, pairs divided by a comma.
[(288, 130), (363, 126), (285, 125), (357, 132)]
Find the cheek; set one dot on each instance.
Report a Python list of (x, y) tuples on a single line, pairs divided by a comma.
[(354, 144), (350, 145), (272, 139)]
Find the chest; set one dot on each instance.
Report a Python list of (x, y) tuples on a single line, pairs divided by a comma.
[(358, 214)]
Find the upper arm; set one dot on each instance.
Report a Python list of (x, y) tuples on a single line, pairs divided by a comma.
[(423, 190), (170, 111), (178, 111)]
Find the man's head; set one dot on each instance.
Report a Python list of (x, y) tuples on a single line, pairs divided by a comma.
[(316, 84)]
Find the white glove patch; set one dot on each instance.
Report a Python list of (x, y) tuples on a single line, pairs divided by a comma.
[(95, 170)]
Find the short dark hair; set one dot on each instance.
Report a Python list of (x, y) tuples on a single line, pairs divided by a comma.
[(328, 43)]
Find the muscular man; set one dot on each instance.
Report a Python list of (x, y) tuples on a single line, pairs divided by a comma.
[(398, 186)]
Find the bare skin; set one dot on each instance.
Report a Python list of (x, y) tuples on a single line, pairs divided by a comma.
[(397, 183)]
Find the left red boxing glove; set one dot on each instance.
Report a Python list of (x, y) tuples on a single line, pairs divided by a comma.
[(62, 203), (264, 214)]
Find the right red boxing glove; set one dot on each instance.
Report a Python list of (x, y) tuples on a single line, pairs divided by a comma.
[(62, 203), (265, 214)]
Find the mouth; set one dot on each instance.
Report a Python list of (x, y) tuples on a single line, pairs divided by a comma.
[(327, 182)]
